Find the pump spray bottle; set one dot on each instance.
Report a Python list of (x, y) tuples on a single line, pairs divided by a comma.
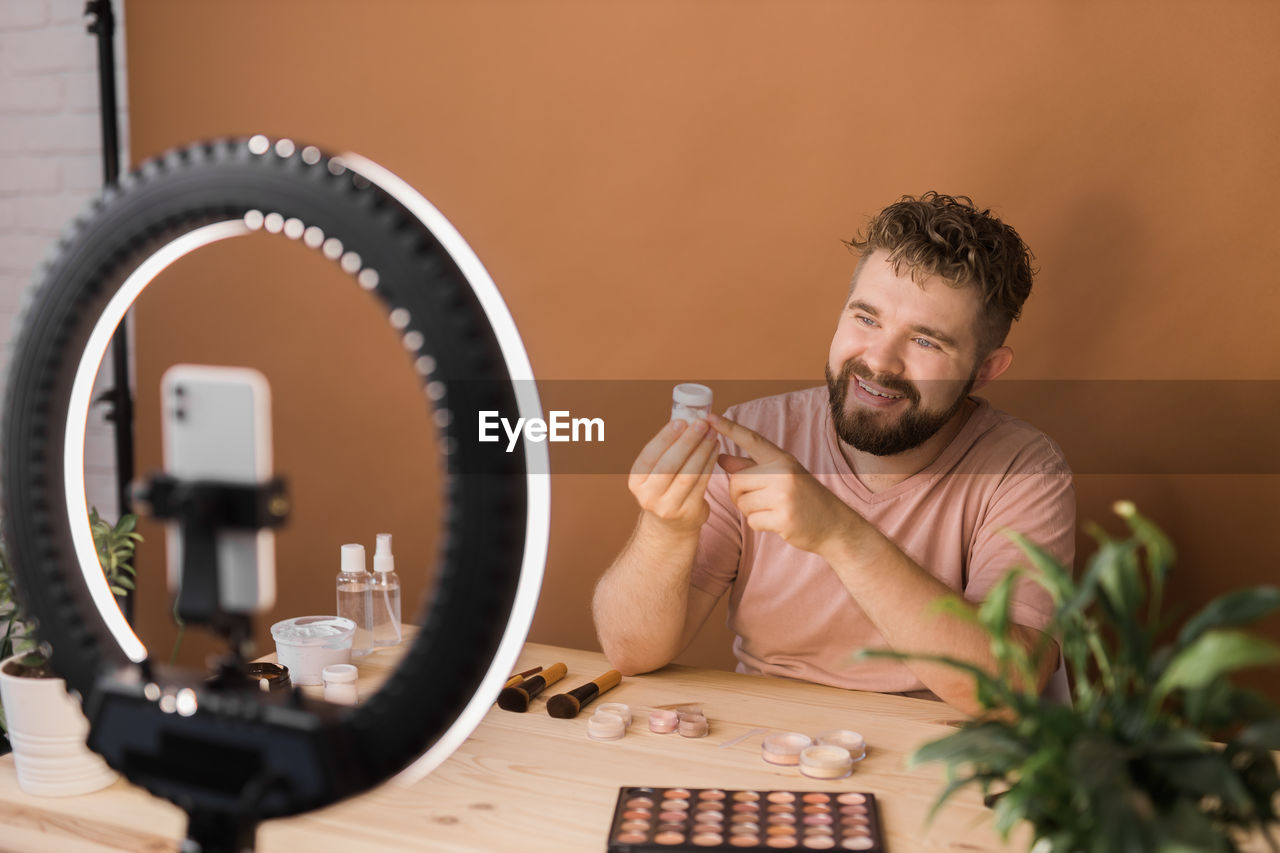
[(386, 595)]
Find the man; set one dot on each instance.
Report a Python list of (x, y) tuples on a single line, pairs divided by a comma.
[(851, 510)]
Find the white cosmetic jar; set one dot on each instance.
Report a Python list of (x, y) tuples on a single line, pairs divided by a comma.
[(307, 644)]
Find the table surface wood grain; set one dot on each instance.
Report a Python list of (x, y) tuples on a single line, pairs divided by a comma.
[(531, 782)]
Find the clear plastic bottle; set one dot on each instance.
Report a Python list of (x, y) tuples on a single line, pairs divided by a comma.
[(690, 402), (354, 601), (386, 595)]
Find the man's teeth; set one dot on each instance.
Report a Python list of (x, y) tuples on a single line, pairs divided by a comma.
[(871, 390)]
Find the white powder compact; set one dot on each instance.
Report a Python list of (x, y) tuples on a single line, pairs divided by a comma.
[(307, 644)]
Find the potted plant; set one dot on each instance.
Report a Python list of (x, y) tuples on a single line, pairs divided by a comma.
[(1159, 750), (43, 724)]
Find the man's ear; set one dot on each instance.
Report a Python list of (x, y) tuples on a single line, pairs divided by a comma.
[(996, 363)]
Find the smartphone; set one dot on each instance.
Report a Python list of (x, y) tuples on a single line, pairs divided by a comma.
[(216, 425)]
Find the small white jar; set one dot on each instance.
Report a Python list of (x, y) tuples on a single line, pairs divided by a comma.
[(340, 684), (690, 402), (307, 644)]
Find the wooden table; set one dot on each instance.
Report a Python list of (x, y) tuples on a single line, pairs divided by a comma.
[(531, 782)]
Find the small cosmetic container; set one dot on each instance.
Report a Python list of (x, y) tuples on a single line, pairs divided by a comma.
[(268, 676), (307, 644), (784, 747), (692, 725), (826, 762), (340, 684), (663, 721), (690, 402), (852, 741), (620, 708), (606, 725)]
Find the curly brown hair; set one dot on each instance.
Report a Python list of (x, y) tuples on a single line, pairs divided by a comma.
[(948, 236)]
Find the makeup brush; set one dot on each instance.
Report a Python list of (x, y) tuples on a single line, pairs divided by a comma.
[(567, 705), (517, 697), (517, 677)]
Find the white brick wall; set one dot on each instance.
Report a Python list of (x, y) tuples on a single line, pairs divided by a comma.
[(51, 165)]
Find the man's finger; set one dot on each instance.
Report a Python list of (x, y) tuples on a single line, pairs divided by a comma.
[(657, 446), (758, 447), (734, 464)]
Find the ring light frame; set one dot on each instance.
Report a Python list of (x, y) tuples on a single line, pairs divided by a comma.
[(459, 337)]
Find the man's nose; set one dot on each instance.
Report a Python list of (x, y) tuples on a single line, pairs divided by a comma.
[(884, 356)]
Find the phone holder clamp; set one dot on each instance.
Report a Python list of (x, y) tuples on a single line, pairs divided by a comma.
[(203, 509)]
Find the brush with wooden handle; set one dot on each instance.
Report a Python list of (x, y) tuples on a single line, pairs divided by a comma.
[(567, 705)]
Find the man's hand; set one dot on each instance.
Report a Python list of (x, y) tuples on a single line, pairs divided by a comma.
[(776, 494), (669, 477)]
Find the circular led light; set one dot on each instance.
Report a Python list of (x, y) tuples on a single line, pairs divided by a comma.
[(463, 346)]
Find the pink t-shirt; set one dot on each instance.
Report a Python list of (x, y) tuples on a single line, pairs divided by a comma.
[(792, 615)]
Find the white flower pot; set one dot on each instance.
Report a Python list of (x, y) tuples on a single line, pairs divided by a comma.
[(47, 731)]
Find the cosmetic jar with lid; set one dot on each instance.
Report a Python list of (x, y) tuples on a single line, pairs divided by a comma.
[(307, 644), (852, 741), (340, 684), (620, 708), (663, 721), (826, 762), (692, 725), (784, 747), (268, 676), (690, 402), (606, 725)]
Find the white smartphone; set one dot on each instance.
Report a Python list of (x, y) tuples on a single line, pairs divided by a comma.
[(217, 427)]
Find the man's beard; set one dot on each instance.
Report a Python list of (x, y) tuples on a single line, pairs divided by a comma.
[(861, 429)]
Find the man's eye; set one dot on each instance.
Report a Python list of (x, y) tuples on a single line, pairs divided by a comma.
[(866, 321), (926, 343)]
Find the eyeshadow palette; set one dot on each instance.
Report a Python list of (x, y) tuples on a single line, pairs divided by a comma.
[(651, 819)]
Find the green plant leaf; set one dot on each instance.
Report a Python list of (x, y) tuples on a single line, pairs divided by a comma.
[(1190, 831), (1115, 566), (1261, 735), (1257, 770), (1240, 607), (1202, 773), (957, 607), (1049, 573), (1159, 547), (1098, 764), (1012, 808), (993, 612), (1215, 653), (992, 692), (988, 745), (954, 785)]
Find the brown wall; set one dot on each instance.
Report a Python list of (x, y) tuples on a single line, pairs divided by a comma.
[(660, 190)]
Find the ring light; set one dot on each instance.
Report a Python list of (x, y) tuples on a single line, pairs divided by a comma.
[(463, 344)]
